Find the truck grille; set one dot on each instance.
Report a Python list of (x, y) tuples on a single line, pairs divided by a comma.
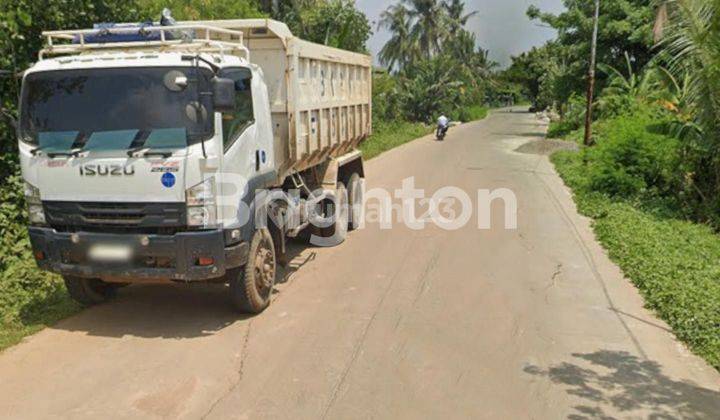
[(157, 218)]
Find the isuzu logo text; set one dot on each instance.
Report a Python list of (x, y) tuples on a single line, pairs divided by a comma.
[(106, 170)]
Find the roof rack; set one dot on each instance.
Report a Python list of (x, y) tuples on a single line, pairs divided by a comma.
[(206, 38)]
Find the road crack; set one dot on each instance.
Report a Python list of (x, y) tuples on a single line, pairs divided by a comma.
[(240, 372), (363, 336)]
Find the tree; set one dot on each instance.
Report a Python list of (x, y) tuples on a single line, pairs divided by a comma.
[(399, 50), (690, 39), (204, 9), (431, 25), (422, 29), (336, 23), (625, 27), (543, 74), (457, 17)]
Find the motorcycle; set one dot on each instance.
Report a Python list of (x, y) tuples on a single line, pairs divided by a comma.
[(441, 131)]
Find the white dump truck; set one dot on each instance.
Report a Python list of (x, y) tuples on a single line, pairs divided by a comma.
[(145, 147)]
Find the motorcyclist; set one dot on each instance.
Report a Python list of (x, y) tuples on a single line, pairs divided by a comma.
[(442, 126)]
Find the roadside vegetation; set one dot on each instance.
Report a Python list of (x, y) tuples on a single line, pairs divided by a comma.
[(422, 83), (651, 177)]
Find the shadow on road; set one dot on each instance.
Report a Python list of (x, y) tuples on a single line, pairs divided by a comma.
[(172, 310), (627, 383)]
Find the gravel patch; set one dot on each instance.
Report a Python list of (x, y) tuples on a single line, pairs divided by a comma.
[(546, 146)]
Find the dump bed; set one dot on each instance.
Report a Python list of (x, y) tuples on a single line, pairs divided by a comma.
[(320, 97)]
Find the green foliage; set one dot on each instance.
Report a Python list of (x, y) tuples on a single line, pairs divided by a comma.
[(390, 134), (205, 9), (473, 113), (336, 23), (573, 118), (630, 159), (690, 44), (429, 88), (543, 75), (674, 263), (386, 99), (29, 298), (625, 27)]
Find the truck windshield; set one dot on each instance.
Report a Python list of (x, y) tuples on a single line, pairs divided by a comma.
[(116, 108)]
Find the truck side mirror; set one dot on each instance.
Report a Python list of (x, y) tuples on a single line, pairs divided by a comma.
[(223, 94)]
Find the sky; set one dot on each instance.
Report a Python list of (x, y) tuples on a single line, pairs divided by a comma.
[(500, 25)]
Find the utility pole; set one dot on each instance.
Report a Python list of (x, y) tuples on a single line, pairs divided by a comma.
[(591, 76)]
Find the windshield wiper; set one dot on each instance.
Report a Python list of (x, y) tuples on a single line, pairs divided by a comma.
[(138, 142), (75, 150), (157, 153), (71, 153), (149, 152), (131, 152)]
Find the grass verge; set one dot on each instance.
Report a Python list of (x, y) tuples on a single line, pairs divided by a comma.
[(674, 263), (388, 135), (475, 112)]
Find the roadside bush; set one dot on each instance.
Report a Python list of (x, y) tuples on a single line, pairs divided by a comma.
[(573, 117), (385, 98), (473, 113), (632, 157)]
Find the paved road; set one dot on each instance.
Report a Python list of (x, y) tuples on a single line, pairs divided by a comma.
[(493, 323)]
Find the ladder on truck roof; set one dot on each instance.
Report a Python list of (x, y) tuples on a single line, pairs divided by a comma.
[(205, 38)]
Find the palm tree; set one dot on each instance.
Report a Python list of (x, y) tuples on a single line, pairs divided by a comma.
[(690, 37), (456, 13), (429, 27), (400, 48), (421, 28)]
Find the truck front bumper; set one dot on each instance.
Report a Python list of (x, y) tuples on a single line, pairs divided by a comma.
[(185, 256)]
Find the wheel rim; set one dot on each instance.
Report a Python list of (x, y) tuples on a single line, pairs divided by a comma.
[(264, 267)]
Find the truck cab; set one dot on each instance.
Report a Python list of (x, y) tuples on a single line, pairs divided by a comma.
[(141, 159)]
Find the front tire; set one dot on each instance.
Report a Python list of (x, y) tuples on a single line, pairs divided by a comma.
[(251, 286), (88, 292)]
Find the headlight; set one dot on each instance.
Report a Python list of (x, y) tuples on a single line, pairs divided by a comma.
[(36, 214), (200, 201)]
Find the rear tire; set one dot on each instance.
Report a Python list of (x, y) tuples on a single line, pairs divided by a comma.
[(337, 232), (89, 291), (251, 286), (355, 201)]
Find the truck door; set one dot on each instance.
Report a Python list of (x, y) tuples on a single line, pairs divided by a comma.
[(247, 144)]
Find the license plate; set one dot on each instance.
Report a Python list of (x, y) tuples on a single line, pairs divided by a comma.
[(110, 253)]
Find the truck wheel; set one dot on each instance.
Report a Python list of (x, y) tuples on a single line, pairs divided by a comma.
[(88, 291), (251, 286), (336, 233), (355, 201)]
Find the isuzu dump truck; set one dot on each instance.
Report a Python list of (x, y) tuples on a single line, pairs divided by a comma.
[(145, 149)]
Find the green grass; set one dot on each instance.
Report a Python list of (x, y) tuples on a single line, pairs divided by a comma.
[(388, 135), (30, 300), (475, 112), (674, 263)]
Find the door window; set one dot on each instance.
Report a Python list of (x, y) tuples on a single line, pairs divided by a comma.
[(234, 123)]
